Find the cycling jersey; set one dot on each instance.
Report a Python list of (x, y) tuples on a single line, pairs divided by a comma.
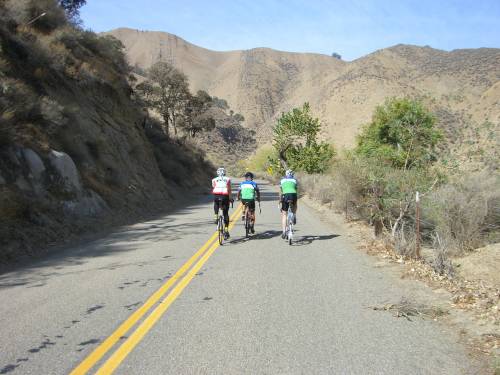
[(221, 185), (288, 185), (248, 190)]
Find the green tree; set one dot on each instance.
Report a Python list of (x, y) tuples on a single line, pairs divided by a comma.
[(167, 92), (72, 7), (395, 153), (295, 141), (401, 133), (197, 115)]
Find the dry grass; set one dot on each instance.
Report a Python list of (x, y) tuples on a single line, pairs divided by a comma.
[(408, 309), (464, 213)]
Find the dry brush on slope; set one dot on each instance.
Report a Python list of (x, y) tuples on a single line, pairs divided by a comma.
[(73, 148)]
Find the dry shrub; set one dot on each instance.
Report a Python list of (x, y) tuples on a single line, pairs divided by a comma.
[(405, 243), (317, 186), (18, 102), (348, 184), (466, 211), (13, 206), (441, 263), (23, 11), (6, 133), (343, 186)]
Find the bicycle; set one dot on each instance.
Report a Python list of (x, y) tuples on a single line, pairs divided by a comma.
[(220, 223), (290, 219), (247, 216)]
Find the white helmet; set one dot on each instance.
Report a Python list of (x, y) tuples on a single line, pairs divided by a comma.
[(221, 172), (289, 173)]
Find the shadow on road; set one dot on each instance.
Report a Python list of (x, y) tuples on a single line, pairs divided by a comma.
[(307, 240), (167, 227), (268, 234)]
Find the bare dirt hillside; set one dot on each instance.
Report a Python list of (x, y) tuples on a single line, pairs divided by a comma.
[(74, 152), (261, 83)]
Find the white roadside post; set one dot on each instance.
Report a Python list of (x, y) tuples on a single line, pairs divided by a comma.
[(417, 225)]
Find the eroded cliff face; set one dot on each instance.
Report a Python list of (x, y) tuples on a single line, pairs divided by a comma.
[(76, 150)]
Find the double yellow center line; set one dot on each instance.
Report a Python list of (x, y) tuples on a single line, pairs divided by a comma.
[(126, 347)]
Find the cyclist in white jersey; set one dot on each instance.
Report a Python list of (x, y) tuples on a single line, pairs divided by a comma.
[(221, 189)]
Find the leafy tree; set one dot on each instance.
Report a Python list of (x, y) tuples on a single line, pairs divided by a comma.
[(336, 55), (166, 91), (401, 133), (197, 116), (395, 152), (72, 7), (296, 144)]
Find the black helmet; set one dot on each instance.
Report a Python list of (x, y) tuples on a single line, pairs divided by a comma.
[(249, 174)]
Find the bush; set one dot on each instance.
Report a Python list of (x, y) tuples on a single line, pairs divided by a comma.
[(296, 145), (259, 162), (18, 102), (24, 11), (401, 133), (6, 131), (85, 45), (465, 212)]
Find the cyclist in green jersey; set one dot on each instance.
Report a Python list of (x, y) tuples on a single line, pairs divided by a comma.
[(249, 192), (288, 193)]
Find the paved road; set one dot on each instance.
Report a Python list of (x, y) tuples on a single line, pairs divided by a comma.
[(251, 307)]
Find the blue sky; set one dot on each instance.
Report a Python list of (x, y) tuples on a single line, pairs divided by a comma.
[(352, 28)]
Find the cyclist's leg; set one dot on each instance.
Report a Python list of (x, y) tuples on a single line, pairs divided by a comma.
[(245, 205), (225, 210), (216, 208), (294, 209), (284, 212), (294, 206), (251, 207)]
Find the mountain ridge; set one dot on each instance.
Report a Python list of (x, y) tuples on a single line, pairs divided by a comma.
[(261, 83)]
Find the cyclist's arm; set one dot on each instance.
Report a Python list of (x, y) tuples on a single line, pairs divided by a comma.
[(257, 190)]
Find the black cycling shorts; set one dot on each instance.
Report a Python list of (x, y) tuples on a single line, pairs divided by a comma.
[(250, 202), (286, 198)]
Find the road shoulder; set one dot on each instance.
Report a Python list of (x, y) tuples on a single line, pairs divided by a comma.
[(429, 291)]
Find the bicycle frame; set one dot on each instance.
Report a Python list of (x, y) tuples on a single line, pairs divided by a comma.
[(289, 222), (220, 223)]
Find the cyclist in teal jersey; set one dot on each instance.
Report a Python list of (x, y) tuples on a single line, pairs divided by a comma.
[(288, 193), (249, 192)]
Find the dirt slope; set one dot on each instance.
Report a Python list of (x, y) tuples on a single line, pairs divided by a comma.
[(75, 153)]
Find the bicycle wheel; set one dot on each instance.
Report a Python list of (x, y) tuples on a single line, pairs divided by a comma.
[(220, 228), (290, 226), (247, 222)]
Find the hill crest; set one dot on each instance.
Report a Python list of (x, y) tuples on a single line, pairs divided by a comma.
[(261, 83)]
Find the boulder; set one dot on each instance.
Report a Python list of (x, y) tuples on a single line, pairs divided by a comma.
[(66, 168), (23, 184), (34, 163), (90, 205)]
